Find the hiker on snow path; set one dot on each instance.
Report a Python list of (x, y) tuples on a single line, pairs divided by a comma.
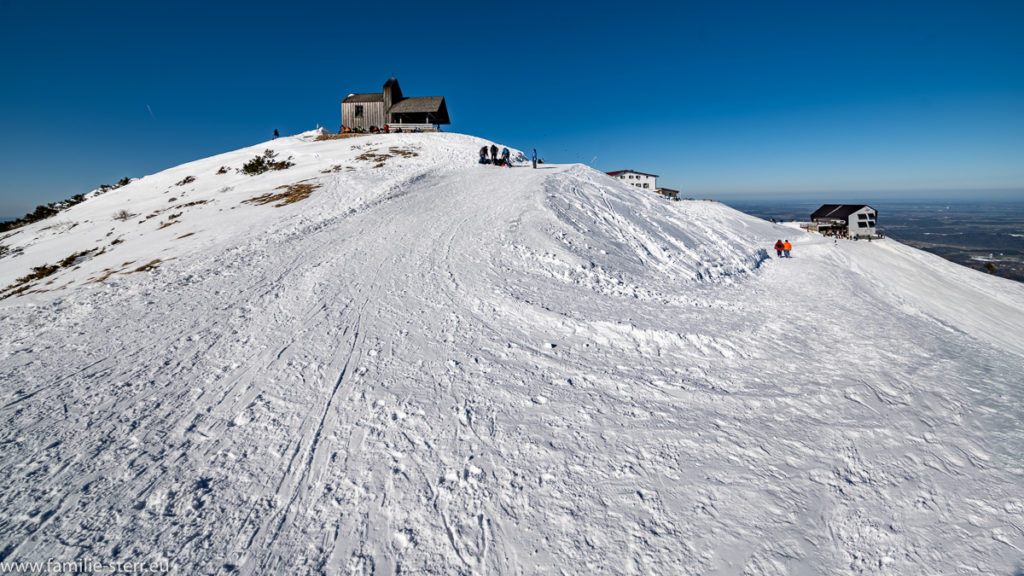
[(494, 154), (786, 247), (778, 248)]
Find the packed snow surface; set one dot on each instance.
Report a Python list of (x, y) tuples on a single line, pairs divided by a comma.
[(415, 364)]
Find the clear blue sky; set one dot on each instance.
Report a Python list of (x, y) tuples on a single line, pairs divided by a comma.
[(722, 99)]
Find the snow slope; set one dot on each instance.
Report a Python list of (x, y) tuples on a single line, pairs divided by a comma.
[(430, 366)]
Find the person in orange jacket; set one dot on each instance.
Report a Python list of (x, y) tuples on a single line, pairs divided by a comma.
[(786, 247), (778, 248)]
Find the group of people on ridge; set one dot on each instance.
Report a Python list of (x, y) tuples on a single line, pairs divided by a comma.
[(494, 158), (782, 249), (385, 129)]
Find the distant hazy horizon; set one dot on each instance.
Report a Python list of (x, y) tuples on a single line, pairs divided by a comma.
[(1000, 196), (867, 196)]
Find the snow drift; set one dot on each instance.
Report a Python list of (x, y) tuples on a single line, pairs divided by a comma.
[(386, 358)]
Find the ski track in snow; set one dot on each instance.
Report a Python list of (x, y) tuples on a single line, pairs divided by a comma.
[(442, 368)]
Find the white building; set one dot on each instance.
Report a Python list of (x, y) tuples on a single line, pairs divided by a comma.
[(637, 179), (849, 219)]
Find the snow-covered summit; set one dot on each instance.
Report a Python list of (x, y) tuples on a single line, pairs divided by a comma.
[(387, 358)]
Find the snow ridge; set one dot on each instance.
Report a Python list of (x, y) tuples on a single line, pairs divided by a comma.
[(430, 366)]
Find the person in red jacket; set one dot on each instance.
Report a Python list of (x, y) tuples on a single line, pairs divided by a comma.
[(786, 247), (778, 248)]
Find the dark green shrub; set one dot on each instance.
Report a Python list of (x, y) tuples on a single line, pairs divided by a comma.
[(44, 211), (264, 163), (41, 212)]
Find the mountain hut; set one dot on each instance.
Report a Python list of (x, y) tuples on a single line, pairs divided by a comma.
[(846, 219), (389, 107)]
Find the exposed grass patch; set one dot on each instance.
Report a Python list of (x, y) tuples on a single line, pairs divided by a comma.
[(20, 290), (379, 158), (66, 225), (21, 285), (335, 168), (108, 272), (71, 260), (373, 156), (4, 250), (323, 137), (403, 152), (175, 207), (39, 272), (151, 265), (223, 170), (186, 180), (123, 216), (171, 220), (185, 235), (292, 193)]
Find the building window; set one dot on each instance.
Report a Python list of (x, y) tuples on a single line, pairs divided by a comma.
[(359, 111), (646, 185), (862, 216), (862, 224)]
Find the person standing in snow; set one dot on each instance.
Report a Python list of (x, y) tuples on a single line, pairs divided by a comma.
[(483, 156), (275, 133), (504, 157), (786, 247), (494, 154), (778, 248), (534, 158)]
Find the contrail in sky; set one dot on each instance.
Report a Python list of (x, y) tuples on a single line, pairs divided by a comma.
[(150, 112)]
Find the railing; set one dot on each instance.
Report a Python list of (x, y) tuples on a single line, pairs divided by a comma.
[(410, 127)]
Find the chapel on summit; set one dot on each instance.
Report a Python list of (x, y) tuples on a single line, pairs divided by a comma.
[(389, 107)]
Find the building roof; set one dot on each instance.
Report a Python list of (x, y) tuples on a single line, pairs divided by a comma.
[(837, 211), (617, 172), (418, 104), (372, 97)]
